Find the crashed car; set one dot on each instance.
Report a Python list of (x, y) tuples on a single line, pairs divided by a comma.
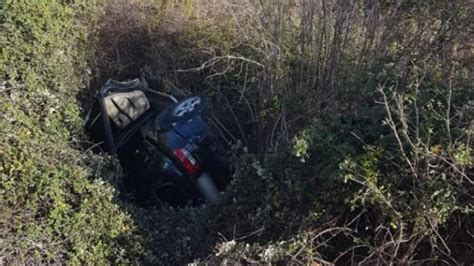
[(166, 146)]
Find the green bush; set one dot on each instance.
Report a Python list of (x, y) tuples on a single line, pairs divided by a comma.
[(353, 122), (53, 210)]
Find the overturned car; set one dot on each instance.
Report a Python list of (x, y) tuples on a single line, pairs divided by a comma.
[(166, 146)]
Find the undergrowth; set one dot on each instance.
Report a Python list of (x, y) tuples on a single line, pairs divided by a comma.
[(349, 125), (54, 207)]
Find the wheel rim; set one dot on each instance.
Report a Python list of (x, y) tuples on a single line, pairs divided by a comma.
[(187, 106)]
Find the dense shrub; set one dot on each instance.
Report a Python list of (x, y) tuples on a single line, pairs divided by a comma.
[(350, 125), (343, 108), (52, 209)]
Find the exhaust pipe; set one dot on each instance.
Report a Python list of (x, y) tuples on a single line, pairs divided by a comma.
[(208, 189)]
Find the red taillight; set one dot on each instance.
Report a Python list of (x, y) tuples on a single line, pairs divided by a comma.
[(189, 163)]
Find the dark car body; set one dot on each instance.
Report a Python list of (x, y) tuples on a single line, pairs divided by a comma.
[(167, 149)]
